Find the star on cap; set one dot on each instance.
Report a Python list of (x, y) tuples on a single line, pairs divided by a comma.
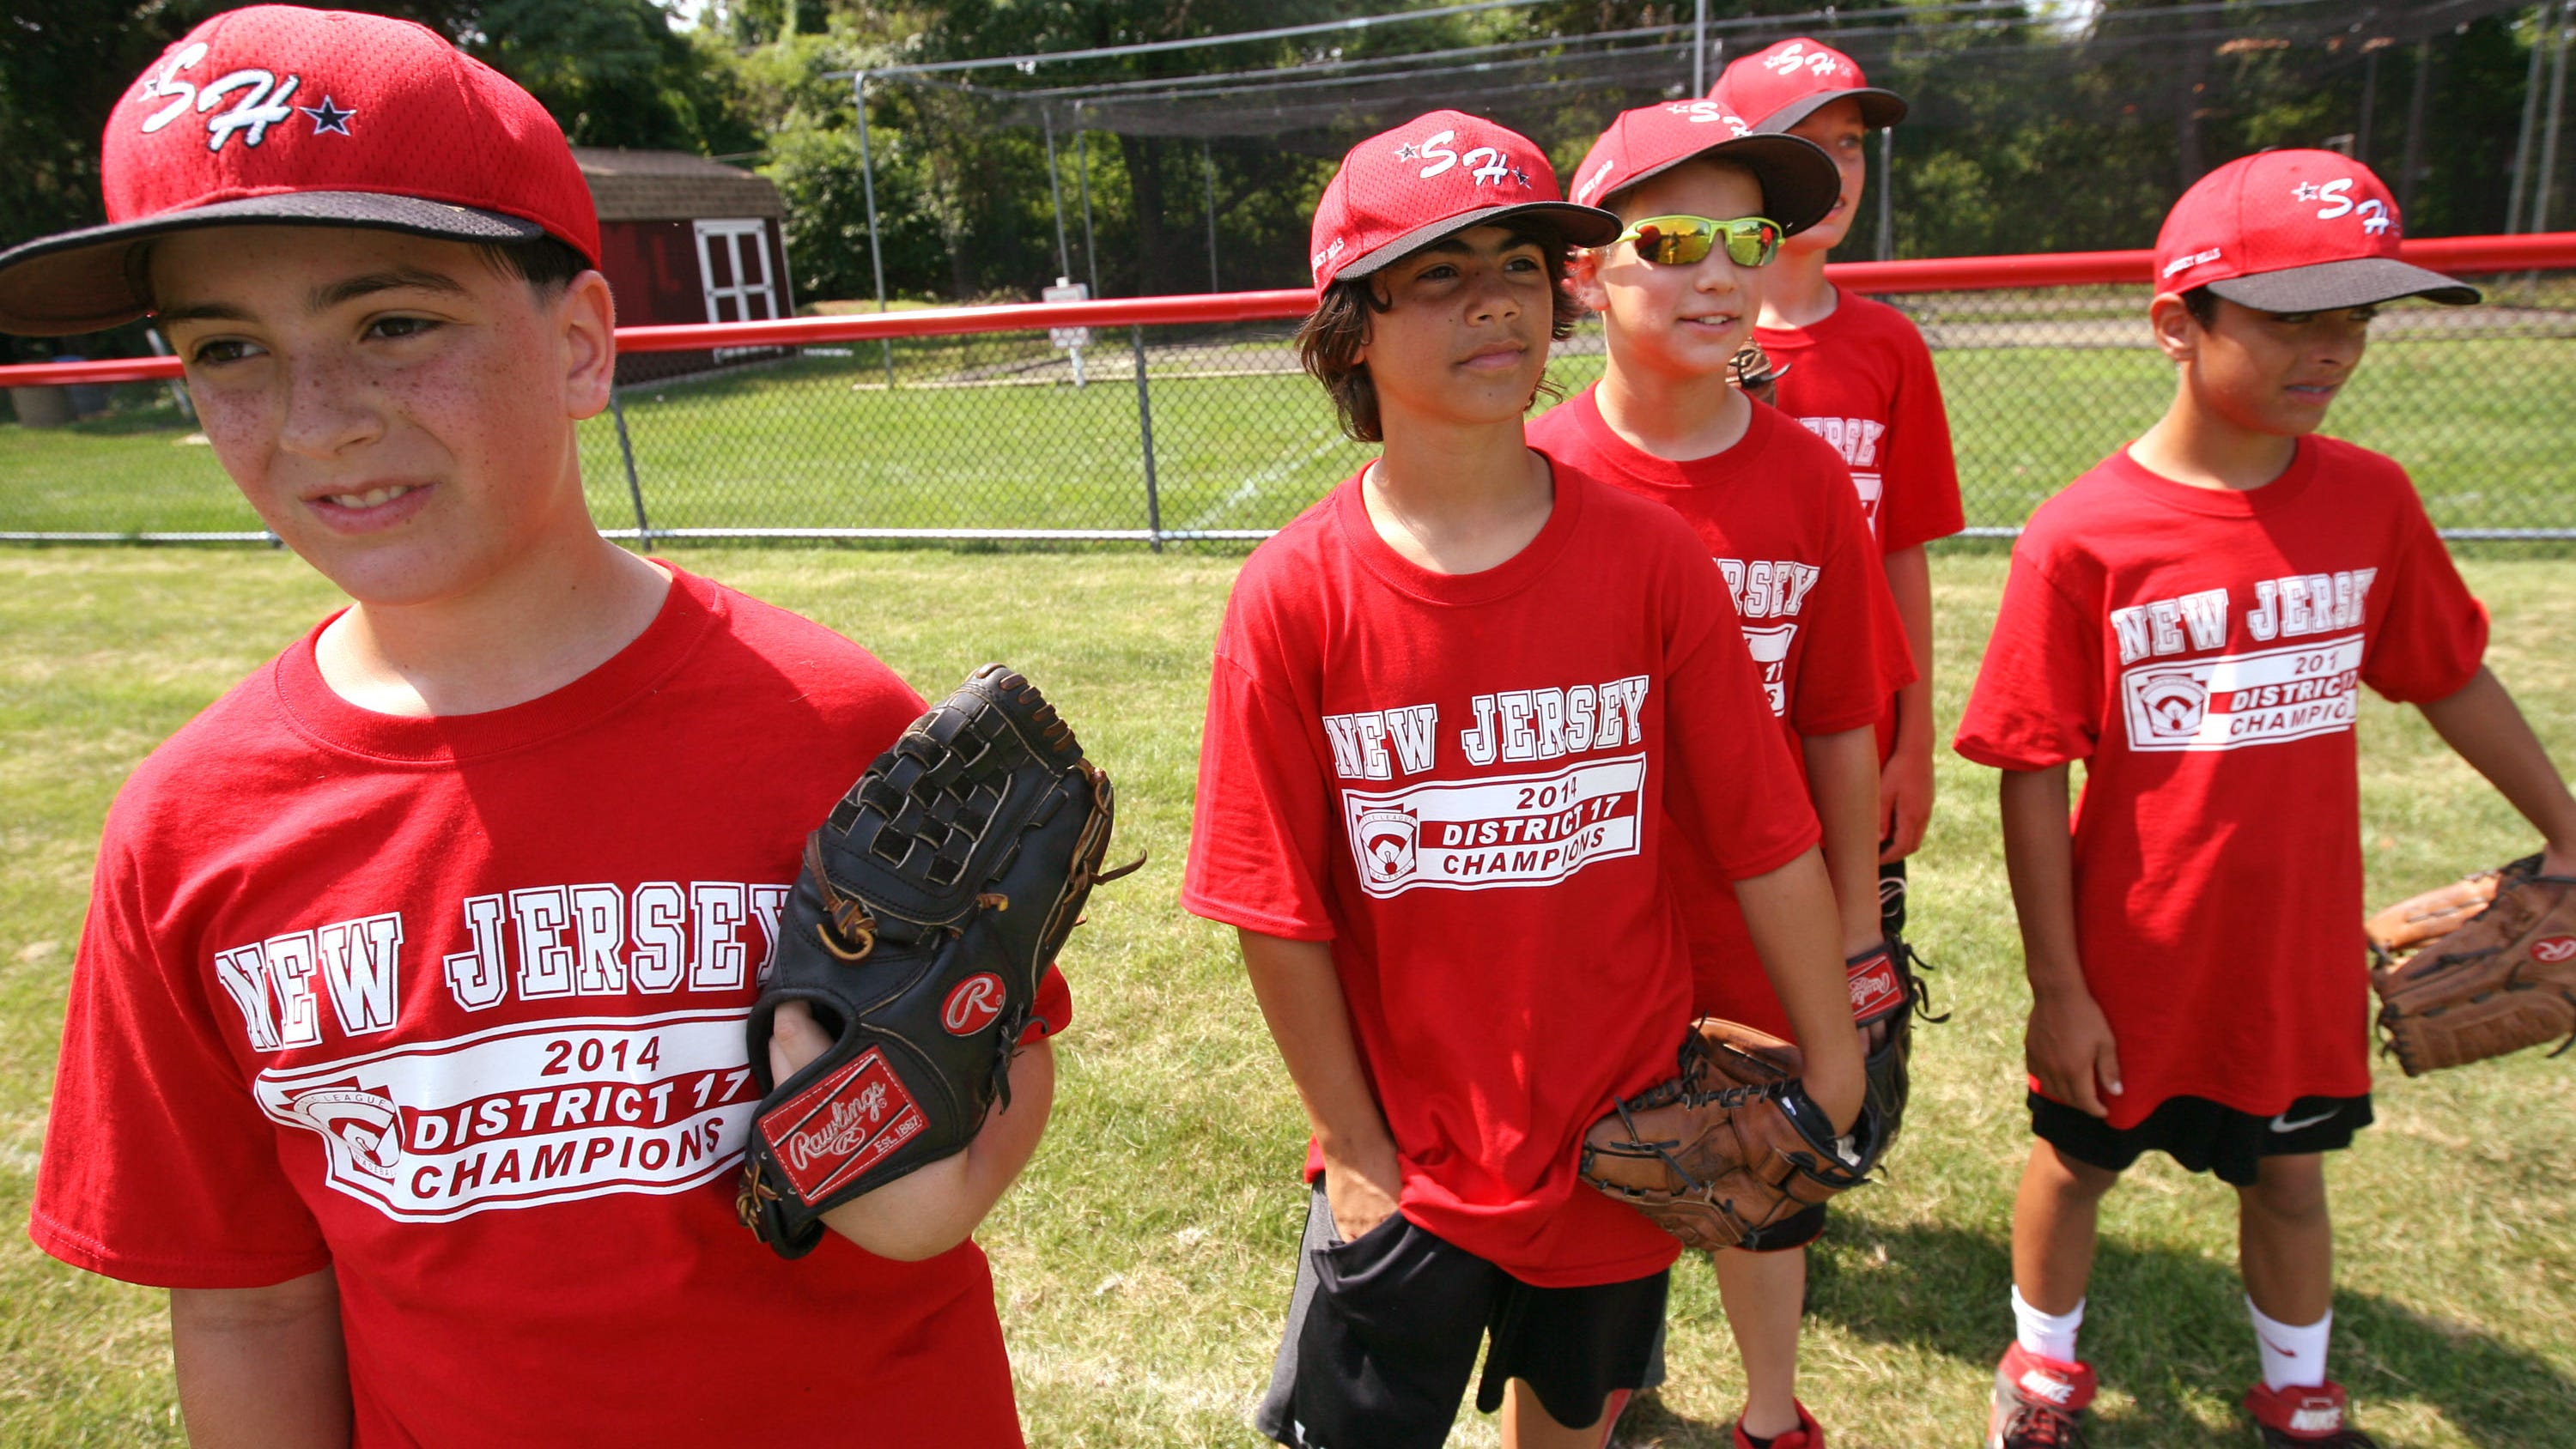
[(1522, 177), (328, 119), (2304, 191), (1408, 152)]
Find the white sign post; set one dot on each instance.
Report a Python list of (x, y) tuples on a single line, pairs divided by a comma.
[(1068, 339)]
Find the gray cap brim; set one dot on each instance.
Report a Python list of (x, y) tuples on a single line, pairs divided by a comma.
[(1578, 226), (92, 279), (1877, 108), (1799, 181), (2354, 282)]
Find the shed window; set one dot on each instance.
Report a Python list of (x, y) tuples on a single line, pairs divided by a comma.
[(733, 270)]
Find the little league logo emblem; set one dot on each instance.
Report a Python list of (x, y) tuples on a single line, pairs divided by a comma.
[(2175, 702), (360, 1128), (1388, 836)]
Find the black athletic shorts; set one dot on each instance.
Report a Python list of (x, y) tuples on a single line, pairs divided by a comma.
[(2203, 1135), (1891, 898), (1382, 1335)]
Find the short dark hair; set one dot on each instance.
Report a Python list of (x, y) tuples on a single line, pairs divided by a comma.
[(2202, 304), (545, 264), (1330, 339)]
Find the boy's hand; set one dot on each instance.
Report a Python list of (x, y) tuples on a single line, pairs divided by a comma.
[(2070, 1050), (1904, 801), (1362, 1188), (1838, 1084)]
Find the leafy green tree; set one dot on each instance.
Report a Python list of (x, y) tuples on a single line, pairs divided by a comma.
[(614, 73)]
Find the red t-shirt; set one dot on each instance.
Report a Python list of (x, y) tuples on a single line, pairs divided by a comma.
[(454, 1007), (1778, 514), (2202, 651), (1862, 380), (1455, 780)]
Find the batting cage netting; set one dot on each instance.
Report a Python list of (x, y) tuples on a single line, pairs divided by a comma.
[(1185, 420), (1184, 165)]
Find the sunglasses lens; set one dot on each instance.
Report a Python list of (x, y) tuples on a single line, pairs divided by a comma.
[(1752, 242), (1673, 242)]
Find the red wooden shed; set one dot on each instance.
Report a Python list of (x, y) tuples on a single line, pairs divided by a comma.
[(686, 239)]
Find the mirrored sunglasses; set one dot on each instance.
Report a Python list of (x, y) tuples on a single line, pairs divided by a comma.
[(1681, 241)]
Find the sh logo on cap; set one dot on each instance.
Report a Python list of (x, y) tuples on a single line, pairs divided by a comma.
[(1484, 163)]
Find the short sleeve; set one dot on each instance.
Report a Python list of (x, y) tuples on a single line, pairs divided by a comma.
[(1856, 655), (1260, 831), (1730, 782), (158, 1166), (1919, 498), (2433, 636), (1053, 1011), (2037, 701)]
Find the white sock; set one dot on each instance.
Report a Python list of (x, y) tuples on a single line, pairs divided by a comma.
[(2292, 1357), (2050, 1335)]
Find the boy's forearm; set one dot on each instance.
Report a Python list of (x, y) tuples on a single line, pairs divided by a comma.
[(2039, 857), (1909, 579), (1301, 999), (928, 1212), (1842, 778), (1788, 913), (2481, 723), (262, 1368)]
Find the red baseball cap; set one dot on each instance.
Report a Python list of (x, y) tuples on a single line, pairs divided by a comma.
[(1401, 190), (1786, 83), (1799, 182), (2293, 231), (281, 115)]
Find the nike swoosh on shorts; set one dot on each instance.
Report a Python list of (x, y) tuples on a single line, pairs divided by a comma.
[(2281, 1122)]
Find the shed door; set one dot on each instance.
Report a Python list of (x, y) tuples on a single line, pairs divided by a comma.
[(733, 270)]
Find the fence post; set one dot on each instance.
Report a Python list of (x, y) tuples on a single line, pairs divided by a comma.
[(1145, 426), (634, 489)]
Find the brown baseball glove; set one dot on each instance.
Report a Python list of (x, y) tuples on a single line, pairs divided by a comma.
[(2492, 969), (1752, 373), (1730, 1145)]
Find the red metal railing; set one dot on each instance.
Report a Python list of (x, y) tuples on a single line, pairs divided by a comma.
[(2469, 255)]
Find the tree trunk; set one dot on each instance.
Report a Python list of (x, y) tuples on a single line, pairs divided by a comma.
[(2193, 78), (1144, 156)]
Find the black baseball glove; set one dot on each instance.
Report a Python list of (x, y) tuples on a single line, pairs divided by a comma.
[(931, 903), (1887, 993)]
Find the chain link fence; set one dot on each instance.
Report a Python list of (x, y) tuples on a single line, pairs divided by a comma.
[(1198, 434)]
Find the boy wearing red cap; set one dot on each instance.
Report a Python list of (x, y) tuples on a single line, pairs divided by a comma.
[(2193, 619), (404, 1043), (1705, 204), (1454, 706), (1856, 373)]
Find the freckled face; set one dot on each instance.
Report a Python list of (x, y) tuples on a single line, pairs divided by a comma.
[(2277, 372), (1836, 127), (395, 408), (1465, 334), (1685, 320)]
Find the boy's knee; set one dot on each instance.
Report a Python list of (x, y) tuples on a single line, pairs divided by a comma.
[(2287, 1188), (2069, 1179)]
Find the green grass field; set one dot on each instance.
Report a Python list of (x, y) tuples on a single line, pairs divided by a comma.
[(819, 443), (1144, 1262)]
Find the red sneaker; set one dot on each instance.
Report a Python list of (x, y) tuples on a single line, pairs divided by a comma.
[(2039, 1402), (2304, 1418), (1808, 1435)]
